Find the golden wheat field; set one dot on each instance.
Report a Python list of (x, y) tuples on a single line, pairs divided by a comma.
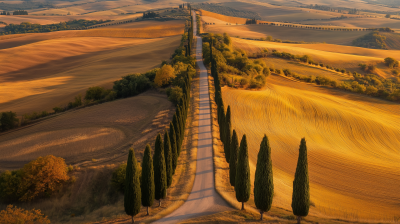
[(352, 140), (102, 132), (50, 72), (338, 56)]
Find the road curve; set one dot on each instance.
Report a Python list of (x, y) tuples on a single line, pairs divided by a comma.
[(203, 200)]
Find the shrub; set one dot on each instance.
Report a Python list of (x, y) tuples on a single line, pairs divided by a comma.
[(164, 75), (42, 177), (391, 62), (58, 109), (175, 94), (15, 215), (278, 71), (243, 82), (131, 85), (95, 93), (8, 120)]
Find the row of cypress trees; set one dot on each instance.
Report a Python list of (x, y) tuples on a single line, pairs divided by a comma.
[(238, 158), (157, 172)]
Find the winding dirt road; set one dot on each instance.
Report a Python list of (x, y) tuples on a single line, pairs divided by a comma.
[(203, 200)]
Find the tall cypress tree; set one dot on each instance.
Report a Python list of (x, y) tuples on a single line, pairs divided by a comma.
[(177, 133), (147, 185), (234, 157), (168, 158), (264, 182), (172, 138), (160, 174), (227, 134), (222, 125), (301, 188), (242, 179), (132, 196)]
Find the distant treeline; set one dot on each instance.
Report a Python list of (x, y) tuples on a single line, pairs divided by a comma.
[(150, 14), (27, 27), (25, 5), (17, 12), (331, 9), (227, 11)]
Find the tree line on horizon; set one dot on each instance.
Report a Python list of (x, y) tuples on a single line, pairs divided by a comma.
[(238, 159)]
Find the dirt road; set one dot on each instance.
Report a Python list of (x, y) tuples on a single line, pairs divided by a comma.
[(203, 200)]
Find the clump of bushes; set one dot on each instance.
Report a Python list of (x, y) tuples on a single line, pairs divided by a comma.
[(235, 62), (8, 120), (14, 214), (371, 40), (39, 178), (119, 175)]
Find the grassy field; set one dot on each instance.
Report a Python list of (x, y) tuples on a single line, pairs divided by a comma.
[(329, 54), (285, 33), (355, 135), (53, 77), (100, 132)]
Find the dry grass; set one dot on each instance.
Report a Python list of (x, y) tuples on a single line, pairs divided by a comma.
[(351, 139), (334, 55), (228, 19), (147, 32), (103, 132), (53, 77)]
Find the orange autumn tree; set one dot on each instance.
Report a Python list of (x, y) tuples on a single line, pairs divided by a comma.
[(164, 75), (14, 215), (42, 176)]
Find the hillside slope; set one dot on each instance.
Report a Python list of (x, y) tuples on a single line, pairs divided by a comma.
[(352, 145)]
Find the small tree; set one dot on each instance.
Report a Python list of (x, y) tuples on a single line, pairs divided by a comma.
[(264, 181), (233, 159), (391, 62), (132, 196), (147, 185), (172, 138), (168, 158), (388, 16), (164, 75), (160, 174), (8, 120), (242, 179), (301, 189)]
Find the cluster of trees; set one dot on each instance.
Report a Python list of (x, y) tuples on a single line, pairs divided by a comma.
[(150, 14), (251, 21), (8, 120), (20, 12), (25, 5), (37, 179), (5, 13), (371, 40), (234, 61), (157, 172), (238, 158), (27, 27)]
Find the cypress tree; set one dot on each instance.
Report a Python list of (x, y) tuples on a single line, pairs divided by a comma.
[(147, 185), (222, 126), (242, 178), (174, 151), (264, 182), (160, 174), (227, 142), (234, 157), (132, 196), (301, 189), (168, 158), (177, 133)]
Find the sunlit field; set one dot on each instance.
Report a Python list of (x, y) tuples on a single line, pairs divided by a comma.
[(353, 150)]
